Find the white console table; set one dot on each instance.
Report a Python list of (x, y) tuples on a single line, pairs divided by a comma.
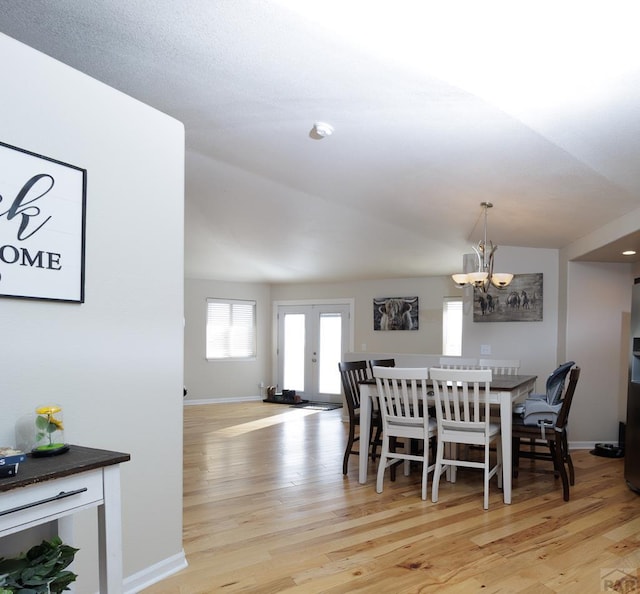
[(54, 488)]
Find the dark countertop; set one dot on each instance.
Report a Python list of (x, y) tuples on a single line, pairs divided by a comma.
[(77, 459)]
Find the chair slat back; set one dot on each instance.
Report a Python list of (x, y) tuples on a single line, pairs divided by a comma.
[(462, 397), (458, 363), (563, 415), (402, 393), (381, 363), (501, 366), (351, 373)]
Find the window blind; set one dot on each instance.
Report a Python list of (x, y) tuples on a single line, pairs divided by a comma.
[(231, 329), (452, 327)]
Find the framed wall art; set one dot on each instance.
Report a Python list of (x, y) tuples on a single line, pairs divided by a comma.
[(521, 301), (42, 226), (395, 313)]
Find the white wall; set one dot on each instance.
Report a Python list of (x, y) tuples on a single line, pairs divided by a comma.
[(223, 380), (597, 338), (594, 331), (115, 362)]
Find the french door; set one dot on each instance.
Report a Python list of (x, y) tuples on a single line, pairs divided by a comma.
[(310, 342)]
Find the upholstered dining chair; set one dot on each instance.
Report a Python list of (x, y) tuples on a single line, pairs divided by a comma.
[(351, 373), (462, 413), (554, 435), (500, 366), (402, 395)]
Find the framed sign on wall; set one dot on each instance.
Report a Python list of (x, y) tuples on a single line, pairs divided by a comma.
[(42, 226)]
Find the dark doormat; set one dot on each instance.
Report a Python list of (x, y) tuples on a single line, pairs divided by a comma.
[(282, 400), (317, 405)]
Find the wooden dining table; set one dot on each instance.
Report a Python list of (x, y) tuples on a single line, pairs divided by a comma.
[(505, 390)]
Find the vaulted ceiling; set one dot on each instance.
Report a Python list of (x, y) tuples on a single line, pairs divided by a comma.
[(436, 107)]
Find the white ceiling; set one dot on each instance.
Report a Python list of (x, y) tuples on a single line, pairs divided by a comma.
[(437, 106)]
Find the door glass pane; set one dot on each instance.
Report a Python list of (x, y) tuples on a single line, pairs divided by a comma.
[(294, 339), (330, 353)]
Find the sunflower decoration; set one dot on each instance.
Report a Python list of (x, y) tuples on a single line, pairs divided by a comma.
[(49, 430)]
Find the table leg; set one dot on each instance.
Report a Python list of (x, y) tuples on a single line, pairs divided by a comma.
[(365, 424), (505, 427), (110, 533)]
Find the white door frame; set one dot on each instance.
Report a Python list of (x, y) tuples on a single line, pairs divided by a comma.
[(349, 302)]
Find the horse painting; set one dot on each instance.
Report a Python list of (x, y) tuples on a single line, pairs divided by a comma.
[(521, 301), (513, 300)]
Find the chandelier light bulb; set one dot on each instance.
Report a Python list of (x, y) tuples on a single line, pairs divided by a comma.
[(501, 279), (460, 279)]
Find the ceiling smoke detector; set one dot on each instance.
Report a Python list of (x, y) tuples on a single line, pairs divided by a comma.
[(321, 130)]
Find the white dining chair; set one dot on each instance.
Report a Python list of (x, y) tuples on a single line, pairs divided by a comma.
[(402, 393), (458, 363), (501, 366), (462, 413)]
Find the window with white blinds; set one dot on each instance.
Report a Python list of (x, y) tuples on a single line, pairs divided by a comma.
[(452, 326), (231, 329)]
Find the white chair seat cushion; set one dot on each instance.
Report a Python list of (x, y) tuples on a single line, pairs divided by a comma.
[(432, 424), (493, 429)]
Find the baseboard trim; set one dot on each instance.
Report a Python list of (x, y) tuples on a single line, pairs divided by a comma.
[(587, 445), (583, 445), (155, 573), (192, 402)]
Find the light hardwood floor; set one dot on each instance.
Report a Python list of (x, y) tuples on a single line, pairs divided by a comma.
[(267, 509)]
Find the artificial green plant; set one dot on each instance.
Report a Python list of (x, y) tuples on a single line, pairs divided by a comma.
[(41, 570)]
